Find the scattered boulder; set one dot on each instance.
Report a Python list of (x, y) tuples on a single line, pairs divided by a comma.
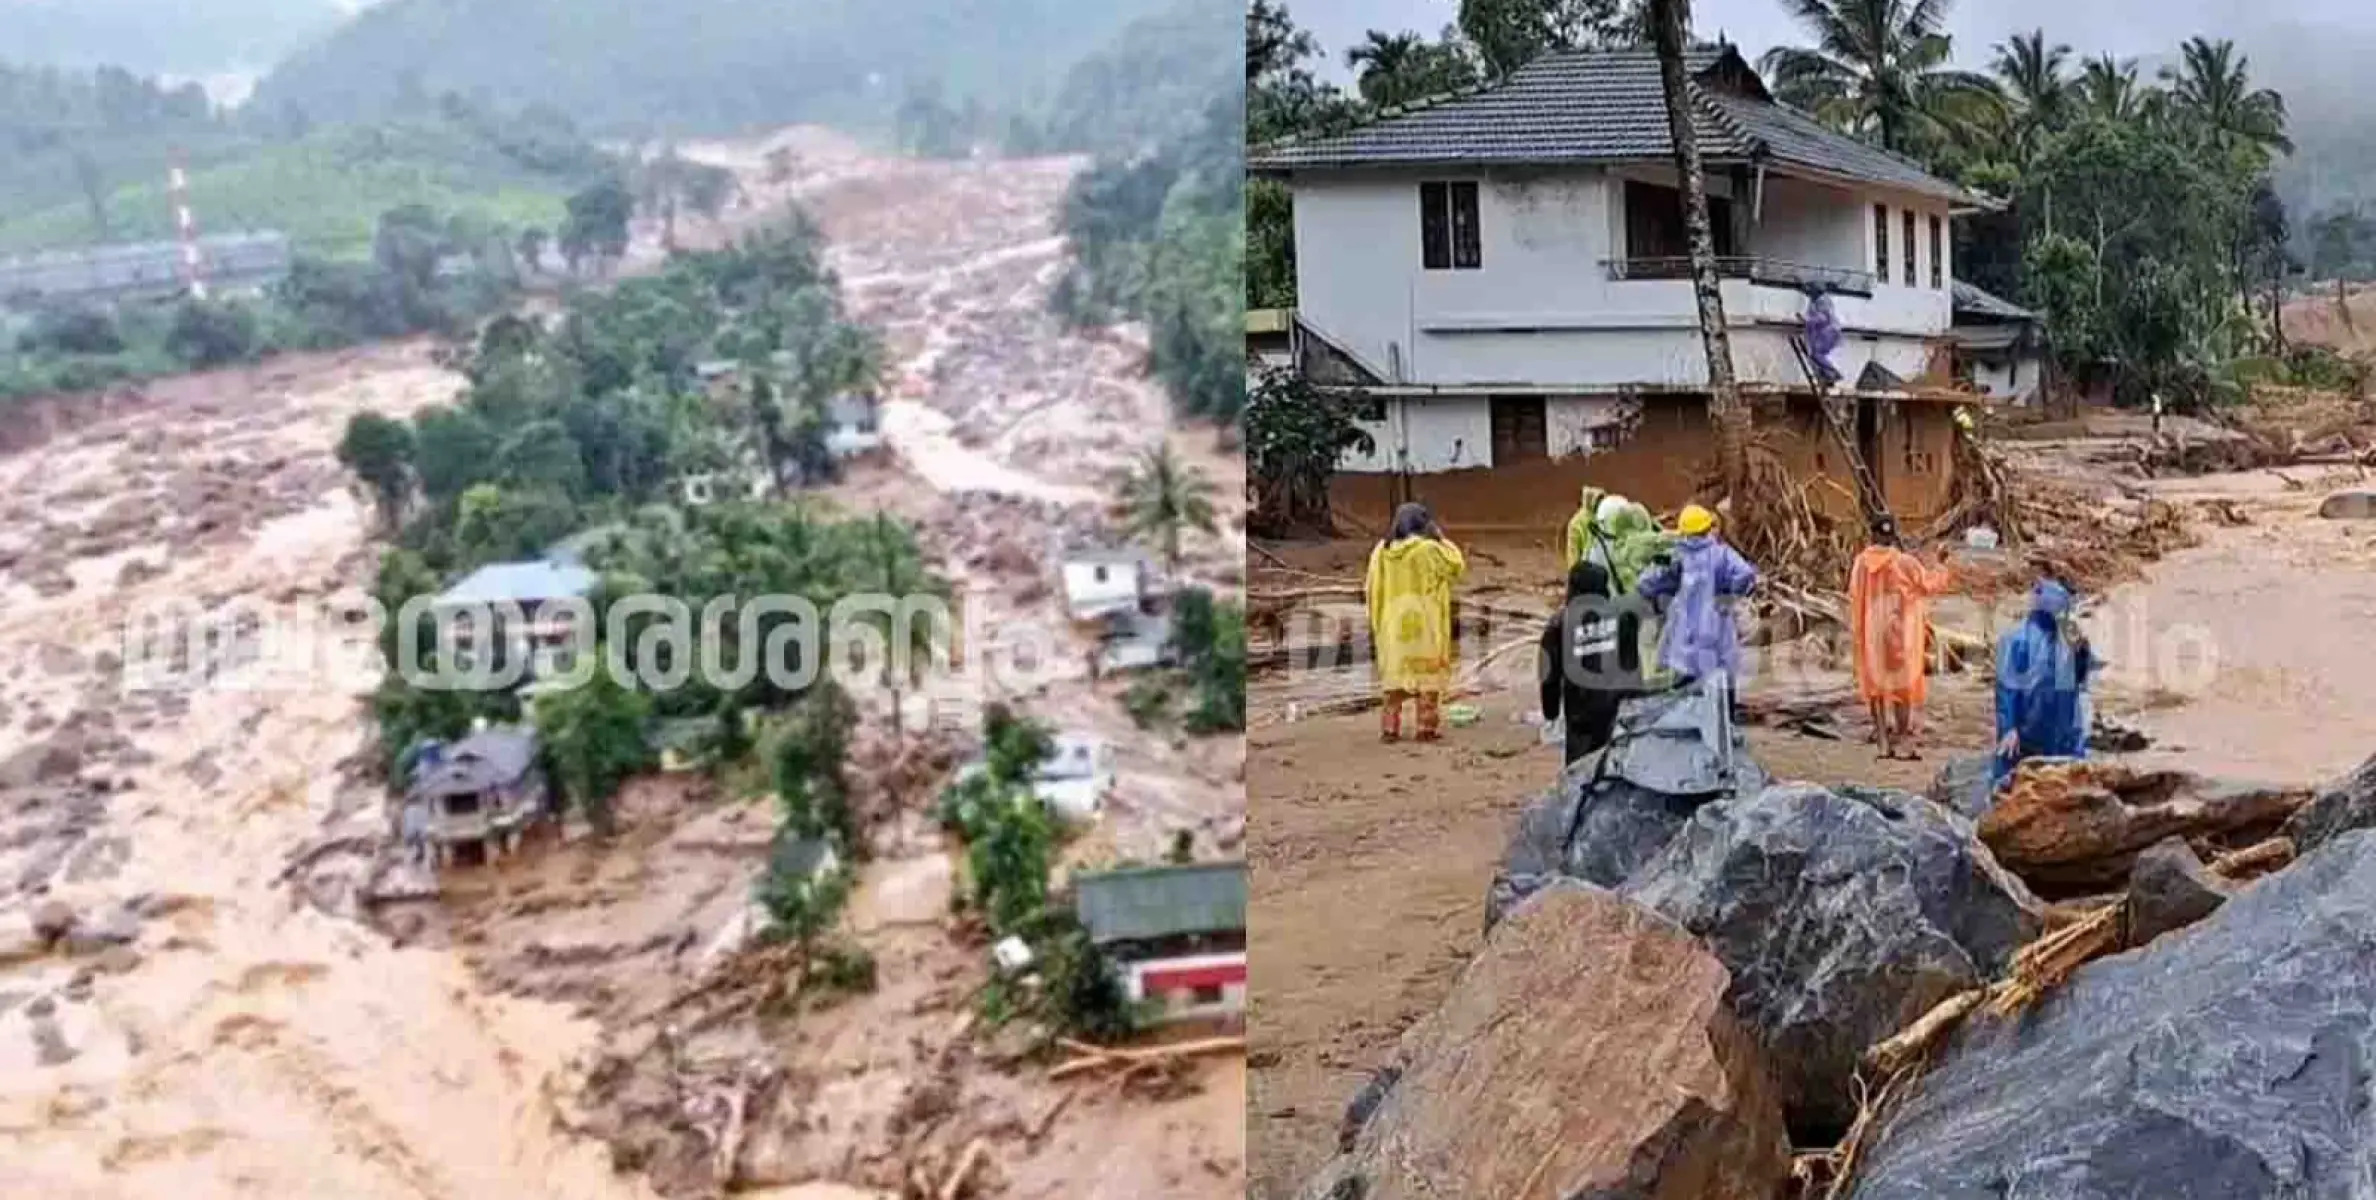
[(2348, 506), (53, 920), (2111, 735), (2075, 827), (2229, 1059), (50, 760), (2170, 888), (49, 1043), (1842, 916), (1587, 1051), (2339, 807), (115, 927), (1966, 785), (1614, 811)]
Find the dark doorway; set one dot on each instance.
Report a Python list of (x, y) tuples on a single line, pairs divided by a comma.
[(1518, 430), (1868, 436)]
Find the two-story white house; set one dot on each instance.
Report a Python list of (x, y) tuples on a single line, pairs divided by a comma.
[(1505, 273)]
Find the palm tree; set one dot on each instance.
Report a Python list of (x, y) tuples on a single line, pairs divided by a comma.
[(1670, 23), (1162, 496), (2108, 89), (1879, 67), (2033, 75), (2211, 87), (1385, 61)]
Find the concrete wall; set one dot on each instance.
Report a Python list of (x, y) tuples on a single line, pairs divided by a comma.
[(1542, 309), (2009, 379)]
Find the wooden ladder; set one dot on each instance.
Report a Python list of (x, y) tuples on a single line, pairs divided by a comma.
[(1837, 415)]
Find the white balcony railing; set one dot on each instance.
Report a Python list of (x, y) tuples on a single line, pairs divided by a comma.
[(1770, 272)]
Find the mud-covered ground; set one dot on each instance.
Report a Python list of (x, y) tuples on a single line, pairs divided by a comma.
[(223, 1023), (1370, 862)]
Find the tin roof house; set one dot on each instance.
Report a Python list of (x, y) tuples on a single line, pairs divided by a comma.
[(543, 592), (143, 271), (473, 800), (1176, 936)]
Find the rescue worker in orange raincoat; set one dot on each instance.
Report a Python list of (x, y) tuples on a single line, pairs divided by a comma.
[(1889, 595), (1409, 590)]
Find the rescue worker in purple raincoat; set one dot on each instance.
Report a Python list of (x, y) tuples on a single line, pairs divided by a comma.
[(1696, 588)]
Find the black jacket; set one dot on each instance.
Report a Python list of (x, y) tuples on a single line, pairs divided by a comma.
[(1589, 661)]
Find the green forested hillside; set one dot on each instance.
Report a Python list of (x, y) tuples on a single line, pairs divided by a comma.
[(84, 157), (642, 68)]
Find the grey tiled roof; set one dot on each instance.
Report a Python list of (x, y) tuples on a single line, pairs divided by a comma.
[(1149, 903), (1972, 302), (490, 758), (1601, 106)]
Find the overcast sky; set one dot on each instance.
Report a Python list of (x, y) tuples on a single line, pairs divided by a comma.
[(2123, 27)]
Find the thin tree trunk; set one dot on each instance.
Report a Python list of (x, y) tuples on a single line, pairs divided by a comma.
[(1726, 414)]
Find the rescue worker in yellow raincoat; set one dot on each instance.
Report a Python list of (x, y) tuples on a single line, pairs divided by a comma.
[(1582, 530), (1409, 590)]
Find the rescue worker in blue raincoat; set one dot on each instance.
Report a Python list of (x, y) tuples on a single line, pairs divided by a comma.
[(2042, 672)]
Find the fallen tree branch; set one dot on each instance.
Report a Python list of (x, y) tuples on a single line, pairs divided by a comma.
[(1098, 1059), (975, 1150)]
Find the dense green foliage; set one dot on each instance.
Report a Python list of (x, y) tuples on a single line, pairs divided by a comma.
[(594, 740), (1208, 644), (587, 426), (811, 782), (645, 69), (1296, 434), (1152, 85)]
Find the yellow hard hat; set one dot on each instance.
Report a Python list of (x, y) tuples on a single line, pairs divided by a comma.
[(1695, 520)]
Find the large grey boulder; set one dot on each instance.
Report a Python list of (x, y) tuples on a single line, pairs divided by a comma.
[(2170, 888), (2228, 1059), (1615, 810), (2339, 807), (1587, 1051), (1842, 915)]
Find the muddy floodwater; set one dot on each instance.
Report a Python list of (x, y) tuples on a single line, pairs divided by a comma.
[(222, 1022)]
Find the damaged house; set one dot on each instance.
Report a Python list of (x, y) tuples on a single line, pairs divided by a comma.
[(1111, 595), (477, 796), (1176, 936), (1504, 274)]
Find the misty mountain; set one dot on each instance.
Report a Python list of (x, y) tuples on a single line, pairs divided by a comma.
[(151, 37), (640, 68)]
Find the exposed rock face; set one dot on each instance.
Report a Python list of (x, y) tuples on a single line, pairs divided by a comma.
[(1587, 1052), (2077, 827), (1842, 916), (2339, 807), (2227, 1059), (1615, 810), (2170, 888)]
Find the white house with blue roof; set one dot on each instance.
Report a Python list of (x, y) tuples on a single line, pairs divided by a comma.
[(1505, 273)]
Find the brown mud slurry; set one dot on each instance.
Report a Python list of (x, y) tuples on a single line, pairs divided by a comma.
[(257, 1038), (1371, 862)]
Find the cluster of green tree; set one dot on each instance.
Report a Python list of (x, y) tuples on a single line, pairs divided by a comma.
[(1296, 433), (1208, 644), (1159, 237), (1011, 842), (2142, 218), (2141, 215), (429, 273), (646, 70), (585, 427), (1152, 85)]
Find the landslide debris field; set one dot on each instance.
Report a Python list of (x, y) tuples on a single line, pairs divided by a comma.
[(2174, 934), (223, 1015)]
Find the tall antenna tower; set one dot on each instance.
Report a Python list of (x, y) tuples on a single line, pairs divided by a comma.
[(193, 264)]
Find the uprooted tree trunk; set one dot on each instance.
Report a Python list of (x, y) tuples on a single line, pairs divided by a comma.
[(1670, 20)]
